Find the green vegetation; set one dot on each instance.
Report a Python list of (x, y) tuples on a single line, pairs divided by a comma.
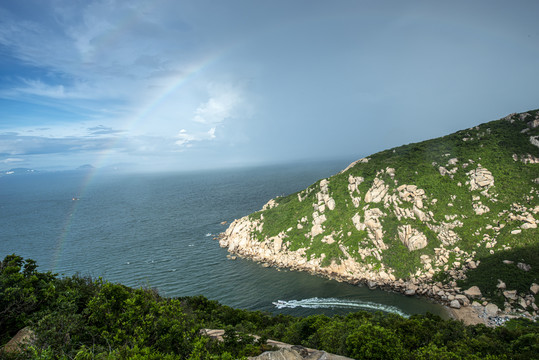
[(80, 318), (485, 222), (493, 269)]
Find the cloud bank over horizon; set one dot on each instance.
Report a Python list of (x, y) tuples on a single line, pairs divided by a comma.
[(202, 84)]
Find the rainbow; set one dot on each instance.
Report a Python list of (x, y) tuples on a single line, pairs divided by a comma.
[(101, 45), (59, 247), (176, 82), (160, 95)]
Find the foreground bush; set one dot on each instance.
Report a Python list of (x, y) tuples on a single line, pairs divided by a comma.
[(80, 318)]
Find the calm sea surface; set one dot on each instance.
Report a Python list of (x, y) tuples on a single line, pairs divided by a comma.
[(156, 230)]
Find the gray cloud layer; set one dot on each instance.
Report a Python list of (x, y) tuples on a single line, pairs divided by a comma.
[(205, 82)]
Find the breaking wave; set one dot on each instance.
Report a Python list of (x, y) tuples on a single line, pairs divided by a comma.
[(331, 303)]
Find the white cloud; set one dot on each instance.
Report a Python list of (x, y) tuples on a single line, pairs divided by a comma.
[(223, 104), (11, 160), (184, 139), (39, 88)]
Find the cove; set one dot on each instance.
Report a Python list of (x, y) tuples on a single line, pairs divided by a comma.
[(157, 230)]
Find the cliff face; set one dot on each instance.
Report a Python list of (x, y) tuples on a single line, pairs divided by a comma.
[(274, 251), (398, 217)]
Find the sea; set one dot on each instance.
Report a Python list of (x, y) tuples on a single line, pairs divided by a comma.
[(157, 230)]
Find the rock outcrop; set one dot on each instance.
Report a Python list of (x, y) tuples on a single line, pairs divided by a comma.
[(24, 338), (285, 351), (474, 291), (412, 238), (296, 354), (377, 192)]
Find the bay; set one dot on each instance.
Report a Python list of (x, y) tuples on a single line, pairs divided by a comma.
[(157, 230)]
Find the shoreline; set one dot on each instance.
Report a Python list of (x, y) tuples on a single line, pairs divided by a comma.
[(467, 306), (468, 315)]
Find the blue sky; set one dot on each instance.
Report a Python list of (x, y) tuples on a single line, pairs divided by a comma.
[(178, 85)]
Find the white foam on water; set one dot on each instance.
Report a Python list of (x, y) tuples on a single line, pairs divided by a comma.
[(331, 303)]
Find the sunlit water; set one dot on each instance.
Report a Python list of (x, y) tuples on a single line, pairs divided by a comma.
[(157, 231)]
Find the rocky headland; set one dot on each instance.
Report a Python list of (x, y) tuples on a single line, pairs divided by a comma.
[(415, 219)]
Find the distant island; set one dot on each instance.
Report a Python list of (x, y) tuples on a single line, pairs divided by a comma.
[(453, 219)]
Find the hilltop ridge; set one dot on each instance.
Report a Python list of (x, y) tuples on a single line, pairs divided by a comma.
[(420, 218)]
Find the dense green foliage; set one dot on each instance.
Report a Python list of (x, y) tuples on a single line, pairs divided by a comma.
[(492, 269), (80, 318), (77, 317), (23, 291)]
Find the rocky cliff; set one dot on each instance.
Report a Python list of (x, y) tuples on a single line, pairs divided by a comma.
[(408, 217)]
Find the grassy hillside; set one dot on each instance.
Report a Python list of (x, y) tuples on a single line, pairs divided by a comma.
[(425, 209)]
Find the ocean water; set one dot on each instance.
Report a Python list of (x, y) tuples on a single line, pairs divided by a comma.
[(157, 230)]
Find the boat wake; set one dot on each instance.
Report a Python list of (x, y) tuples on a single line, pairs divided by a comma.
[(333, 303)]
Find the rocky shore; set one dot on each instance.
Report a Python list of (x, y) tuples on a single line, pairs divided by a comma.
[(467, 305)]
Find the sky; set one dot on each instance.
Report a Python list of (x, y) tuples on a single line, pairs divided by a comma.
[(197, 84)]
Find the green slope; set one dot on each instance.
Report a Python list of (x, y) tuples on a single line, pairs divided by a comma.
[(454, 199)]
